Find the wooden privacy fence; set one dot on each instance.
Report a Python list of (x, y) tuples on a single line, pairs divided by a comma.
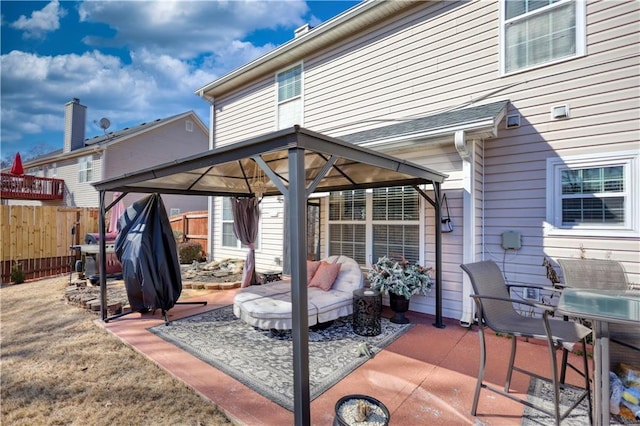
[(191, 226), (39, 238)]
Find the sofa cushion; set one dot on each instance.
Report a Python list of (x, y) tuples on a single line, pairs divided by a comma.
[(271, 312), (259, 291), (325, 275), (312, 267), (350, 277), (330, 304)]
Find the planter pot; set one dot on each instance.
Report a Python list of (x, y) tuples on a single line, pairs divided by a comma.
[(346, 407), (399, 305)]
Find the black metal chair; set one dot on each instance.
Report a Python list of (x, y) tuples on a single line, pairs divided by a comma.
[(496, 311)]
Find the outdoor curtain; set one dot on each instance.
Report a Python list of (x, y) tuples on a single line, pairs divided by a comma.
[(246, 216)]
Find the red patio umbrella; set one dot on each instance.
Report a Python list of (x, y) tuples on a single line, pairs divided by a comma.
[(16, 167)]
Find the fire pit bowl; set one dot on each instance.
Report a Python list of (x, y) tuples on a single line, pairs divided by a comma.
[(347, 407)]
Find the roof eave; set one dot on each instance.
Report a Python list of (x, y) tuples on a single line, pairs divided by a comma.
[(359, 17)]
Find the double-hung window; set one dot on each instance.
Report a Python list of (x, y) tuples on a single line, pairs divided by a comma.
[(228, 236), (538, 32), (289, 102), (347, 226), (593, 195), (367, 225), (85, 169), (396, 223)]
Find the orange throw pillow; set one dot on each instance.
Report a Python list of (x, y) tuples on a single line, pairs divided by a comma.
[(325, 275), (312, 267)]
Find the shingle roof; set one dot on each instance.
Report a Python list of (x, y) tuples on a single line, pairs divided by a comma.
[(111, 136), (443, 120)]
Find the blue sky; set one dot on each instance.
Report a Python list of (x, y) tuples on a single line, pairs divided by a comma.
[(130, 61)]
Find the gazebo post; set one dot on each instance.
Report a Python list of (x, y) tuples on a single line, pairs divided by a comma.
[(435, 203), (438, 215), (298, 243), (103, 256)]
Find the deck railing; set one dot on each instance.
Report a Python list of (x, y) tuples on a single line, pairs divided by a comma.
[(27, 187)]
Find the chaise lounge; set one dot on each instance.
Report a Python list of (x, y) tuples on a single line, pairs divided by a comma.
[(329, 295)]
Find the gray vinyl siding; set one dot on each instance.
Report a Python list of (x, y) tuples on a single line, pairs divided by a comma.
[(247, 113), (602, 92), (147, 148), (442, 55), (412, 66), (156, 146), (79, 194)]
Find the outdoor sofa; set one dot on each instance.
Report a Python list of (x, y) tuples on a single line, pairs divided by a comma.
[(330, 285)]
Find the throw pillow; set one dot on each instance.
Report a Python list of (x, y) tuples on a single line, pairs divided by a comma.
[(312, 267), (325, 275)]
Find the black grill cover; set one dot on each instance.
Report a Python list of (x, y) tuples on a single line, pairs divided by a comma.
[(147, 250)]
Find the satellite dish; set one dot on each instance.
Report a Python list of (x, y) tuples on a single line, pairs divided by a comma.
[(104, 123)]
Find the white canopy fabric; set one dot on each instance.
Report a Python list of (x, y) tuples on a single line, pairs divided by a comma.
[(294, 162)]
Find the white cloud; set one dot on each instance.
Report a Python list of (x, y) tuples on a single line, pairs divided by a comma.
[(175, 48), (186, 29), (153, 86), (41, 21)]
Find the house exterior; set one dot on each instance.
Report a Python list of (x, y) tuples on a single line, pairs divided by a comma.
[(83, 161), (530, 108)]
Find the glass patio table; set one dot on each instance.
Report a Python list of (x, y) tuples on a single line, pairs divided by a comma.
[(601, 307)]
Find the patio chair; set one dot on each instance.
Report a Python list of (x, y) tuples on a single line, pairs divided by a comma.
[(496, 311), (593, 273), (599, 274)]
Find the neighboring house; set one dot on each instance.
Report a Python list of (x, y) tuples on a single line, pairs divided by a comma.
[(530, 107), (83, 161)]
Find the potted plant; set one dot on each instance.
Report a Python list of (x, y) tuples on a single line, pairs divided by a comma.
[(401, 279)]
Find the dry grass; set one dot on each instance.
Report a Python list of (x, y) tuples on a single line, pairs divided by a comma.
[(59, 368)]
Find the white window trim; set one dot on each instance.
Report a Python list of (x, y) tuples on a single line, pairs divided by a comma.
[(631, 227), (581, 36), (82, 161), (300, 97)]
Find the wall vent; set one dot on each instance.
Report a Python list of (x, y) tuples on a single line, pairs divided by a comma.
[(513, 121), (559, 112)]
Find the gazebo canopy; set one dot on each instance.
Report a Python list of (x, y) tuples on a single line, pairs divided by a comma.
[(234, 170), (294, 162)]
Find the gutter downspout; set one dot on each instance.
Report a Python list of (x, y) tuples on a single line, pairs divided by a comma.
[(466, 150)]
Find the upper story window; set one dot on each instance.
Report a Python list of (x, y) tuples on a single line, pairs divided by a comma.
[(593, 195), (289, 97), (538, 32), (85, 169)]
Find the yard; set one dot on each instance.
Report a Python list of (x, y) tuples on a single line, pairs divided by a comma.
[(58, 367)]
